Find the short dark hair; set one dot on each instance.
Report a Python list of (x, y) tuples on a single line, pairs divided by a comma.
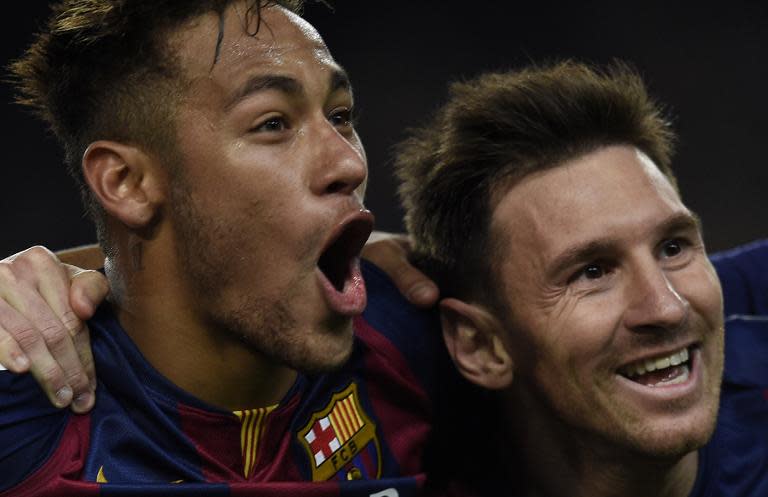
[(496, 129), (100, 69)]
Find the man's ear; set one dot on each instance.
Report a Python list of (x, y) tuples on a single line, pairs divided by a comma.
[(474, 338), (127, 182)]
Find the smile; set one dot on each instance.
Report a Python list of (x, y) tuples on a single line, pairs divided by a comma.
[(667, 370)]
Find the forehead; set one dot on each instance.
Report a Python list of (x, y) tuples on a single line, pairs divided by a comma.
[(614, 192), (284, 44)]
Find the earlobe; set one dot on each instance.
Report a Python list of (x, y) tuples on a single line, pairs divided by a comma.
[(125, 180), (474, 338)]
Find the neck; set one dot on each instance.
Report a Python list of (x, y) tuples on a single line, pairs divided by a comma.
[(557, 464), (166, 324)]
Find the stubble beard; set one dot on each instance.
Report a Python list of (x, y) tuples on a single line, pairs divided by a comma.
[(628, 438), (671, 443), (265, 326)]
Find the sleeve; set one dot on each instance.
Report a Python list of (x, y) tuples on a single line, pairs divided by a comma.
[(29, 427), (743, 273)]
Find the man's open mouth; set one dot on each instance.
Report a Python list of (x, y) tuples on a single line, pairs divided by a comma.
[(338, 260), (666, 370)]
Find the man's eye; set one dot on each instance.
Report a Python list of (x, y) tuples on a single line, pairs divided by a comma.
[(589, 272), (593, 272), (272, 124), (342, 117), (672, 248)]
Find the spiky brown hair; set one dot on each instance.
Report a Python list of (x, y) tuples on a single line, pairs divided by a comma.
[(101, 69), (496, 129)]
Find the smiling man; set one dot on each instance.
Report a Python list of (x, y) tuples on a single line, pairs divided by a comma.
[(214, 145), (578, 286), (609, 285)]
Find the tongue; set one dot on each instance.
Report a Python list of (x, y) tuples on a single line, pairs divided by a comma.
[(660, 375)]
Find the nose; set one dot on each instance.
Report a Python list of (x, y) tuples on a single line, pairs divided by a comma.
[(341, 166), (654, 304)]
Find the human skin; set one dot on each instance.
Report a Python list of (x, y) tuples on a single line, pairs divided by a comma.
[(601, 267), (217, 273), (42, 331), (47, 298)]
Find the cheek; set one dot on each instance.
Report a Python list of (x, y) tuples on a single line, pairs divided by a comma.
[(581, 331), (556, 352)]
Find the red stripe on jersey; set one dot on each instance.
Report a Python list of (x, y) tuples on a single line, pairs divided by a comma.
[(398, 399), (59, 476), (217, 440)]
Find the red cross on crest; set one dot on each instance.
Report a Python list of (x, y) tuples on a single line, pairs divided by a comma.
[(322, 440)]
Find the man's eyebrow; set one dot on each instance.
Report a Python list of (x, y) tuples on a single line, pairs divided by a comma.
[(340, 80), (594, 249), (681, 222), (284, 84)]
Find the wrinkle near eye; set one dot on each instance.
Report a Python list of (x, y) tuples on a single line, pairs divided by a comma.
[(552, 296), (557, 306)]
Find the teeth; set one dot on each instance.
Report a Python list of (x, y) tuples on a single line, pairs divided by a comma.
[(679, 379), (642, 367)]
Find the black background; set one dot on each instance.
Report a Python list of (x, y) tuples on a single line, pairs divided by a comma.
[(707, 61)]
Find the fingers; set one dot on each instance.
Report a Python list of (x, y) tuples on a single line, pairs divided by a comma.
[(17, 329), (88, 290), (78, 367), (36, 320), (390, 253), (83, 400), (12, 356)]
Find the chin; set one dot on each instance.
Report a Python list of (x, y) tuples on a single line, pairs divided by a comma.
[(676, 438), (327, 350)]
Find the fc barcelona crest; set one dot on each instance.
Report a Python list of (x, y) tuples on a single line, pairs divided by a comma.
[(341, 440)]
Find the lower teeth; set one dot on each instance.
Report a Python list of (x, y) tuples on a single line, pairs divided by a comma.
[(675, 377)]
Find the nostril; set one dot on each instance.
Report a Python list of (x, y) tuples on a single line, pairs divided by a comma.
[(335, 187)]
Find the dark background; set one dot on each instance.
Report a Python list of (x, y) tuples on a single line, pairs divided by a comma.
[(707, 61)]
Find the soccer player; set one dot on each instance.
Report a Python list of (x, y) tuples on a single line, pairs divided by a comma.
[(214, 144), (499, 343), (577, 285)]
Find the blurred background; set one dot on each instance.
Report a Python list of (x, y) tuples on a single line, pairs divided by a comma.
[(707, 61)]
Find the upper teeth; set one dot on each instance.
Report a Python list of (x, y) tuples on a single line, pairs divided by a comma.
[(648, 365)]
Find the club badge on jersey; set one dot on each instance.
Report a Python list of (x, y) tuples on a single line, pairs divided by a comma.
[(340, 440)]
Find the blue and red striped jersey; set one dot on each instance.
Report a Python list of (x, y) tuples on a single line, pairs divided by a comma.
[(371, 419), (358, 431)]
